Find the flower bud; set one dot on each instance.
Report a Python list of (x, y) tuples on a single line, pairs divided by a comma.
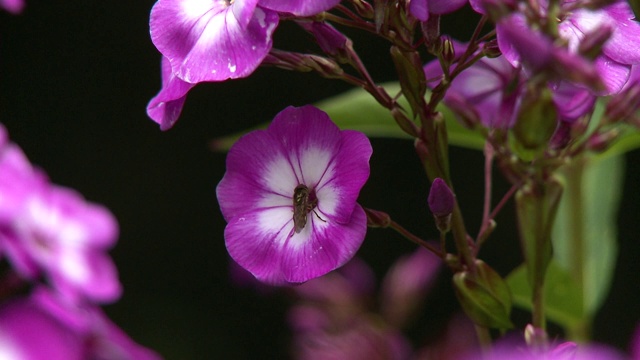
[(441, 202), (330, 40), (363, 8), (441, 198), (377, 219), (536, 122)]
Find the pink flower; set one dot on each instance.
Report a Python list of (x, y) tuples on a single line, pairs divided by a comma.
[(52, 231), (520, 44), (42, 327), (12, 6), (289, 197)]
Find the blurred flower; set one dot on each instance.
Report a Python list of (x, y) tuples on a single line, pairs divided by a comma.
[(520, 44), (420, 9), (333, 319), (289, 197), (52, 231), (406, 284), (514, 348), (42, 327), (491, 91), (12, 6)]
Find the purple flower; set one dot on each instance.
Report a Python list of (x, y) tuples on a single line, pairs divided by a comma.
[(220, 40), (52, 231), (420, 9), (12, 6), (42, 327), (213, 41), (289, 197), (521, 44), (491, 90), (406, 284)]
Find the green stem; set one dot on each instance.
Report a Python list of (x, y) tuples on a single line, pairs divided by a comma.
[(574, 174)]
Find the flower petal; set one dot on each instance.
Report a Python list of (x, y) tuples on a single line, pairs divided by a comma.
[(419, 9), (338, 190), (255, 177), (205, 41), (299, 7), (263, 242), (445, 6), (623, 44), (165, 108), (328, 246)]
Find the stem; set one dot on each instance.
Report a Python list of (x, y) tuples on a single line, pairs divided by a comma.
[(484, 339), (574, 176), (415, 239)]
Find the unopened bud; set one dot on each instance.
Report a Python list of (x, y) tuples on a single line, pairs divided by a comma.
[(536, 122), (441, 202), (324, 66), (600, 142), (535, 337), (363, 8), (405, 124), (330, 40), (448, 51), (377, 219), (431, 34), (491, 50)]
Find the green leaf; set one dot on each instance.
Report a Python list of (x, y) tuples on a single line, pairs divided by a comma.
[(563, 304), (358, 110), (484, 296), (585, 233)]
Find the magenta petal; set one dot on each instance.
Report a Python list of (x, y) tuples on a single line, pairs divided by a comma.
[(623, 44), (572, 101), (204, 41), (12, 6), (299, 7), (263, 243), (165, 108), (86, 275), (419, 9), (613, 74), (445, 6)]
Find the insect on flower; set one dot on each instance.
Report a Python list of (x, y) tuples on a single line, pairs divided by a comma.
[(303, 203)]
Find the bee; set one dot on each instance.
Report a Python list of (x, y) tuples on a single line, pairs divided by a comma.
[(302, 205)]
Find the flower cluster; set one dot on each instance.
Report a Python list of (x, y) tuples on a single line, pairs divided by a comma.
[(527, 91), (55, 243)]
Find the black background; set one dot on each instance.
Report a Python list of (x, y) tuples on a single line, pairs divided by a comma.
[(75, 78)]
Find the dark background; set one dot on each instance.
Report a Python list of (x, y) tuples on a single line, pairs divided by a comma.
[(75, 78)]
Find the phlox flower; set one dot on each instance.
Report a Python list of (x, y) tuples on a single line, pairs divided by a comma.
[(289, 197), (491, 91), (522, 45), (51, 231), (42, 327), (203, 40)]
